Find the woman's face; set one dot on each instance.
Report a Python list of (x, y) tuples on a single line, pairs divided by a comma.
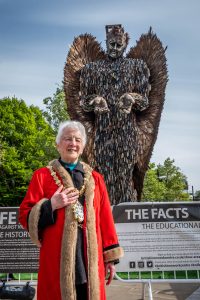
[(70, 146)]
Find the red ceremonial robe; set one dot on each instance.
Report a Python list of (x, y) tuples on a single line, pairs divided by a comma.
[(57, 242)]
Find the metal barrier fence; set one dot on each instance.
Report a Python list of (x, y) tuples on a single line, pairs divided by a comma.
[(127, 277), (18, 280)]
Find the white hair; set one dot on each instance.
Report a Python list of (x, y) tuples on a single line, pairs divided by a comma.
[(75, 125)]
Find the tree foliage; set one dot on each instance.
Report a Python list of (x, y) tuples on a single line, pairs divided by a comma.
[(197, 196), (56, 109), (153, 188), (26, 143), (165, 183)]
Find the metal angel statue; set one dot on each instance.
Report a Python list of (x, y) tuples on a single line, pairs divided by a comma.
[(119, 100)]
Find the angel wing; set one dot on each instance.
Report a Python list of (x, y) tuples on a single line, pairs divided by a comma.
[(150, 49), (85, 49)]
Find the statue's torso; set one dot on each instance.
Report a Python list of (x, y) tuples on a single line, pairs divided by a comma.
[(115, 143), (113, 78)]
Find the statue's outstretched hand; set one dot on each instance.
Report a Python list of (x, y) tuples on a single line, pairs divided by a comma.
[(129, 100), (100, 105), (125, 103), (94, 103)]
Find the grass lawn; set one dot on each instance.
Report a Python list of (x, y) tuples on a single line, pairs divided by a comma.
[(23, 276), (160, 275), (124, 275)]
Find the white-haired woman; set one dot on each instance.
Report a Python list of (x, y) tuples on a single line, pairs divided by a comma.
[(68, 215)]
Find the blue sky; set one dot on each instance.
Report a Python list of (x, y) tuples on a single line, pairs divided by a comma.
[(34, 41)]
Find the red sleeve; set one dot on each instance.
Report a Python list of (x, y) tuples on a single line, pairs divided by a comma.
[(34, 194), (108, 231)]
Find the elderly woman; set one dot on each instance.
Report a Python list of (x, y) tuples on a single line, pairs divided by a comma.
[(68, 215)]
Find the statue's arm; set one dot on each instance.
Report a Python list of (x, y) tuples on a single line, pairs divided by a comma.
[(89, 99)]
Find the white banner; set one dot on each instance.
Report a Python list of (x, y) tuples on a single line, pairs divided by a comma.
[(158, 236)]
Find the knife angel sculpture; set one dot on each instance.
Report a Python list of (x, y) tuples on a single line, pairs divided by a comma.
[(119, 99)]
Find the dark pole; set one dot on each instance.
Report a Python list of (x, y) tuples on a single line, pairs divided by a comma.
[(192, 193)]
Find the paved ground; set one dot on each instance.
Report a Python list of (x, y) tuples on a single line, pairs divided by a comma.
[(162, 291)]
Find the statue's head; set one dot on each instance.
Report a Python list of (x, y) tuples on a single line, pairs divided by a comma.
[(116, 40)]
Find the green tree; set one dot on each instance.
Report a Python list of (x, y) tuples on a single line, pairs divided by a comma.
[(165, 182), (27, 143), (56, 109), (197, 196), (153, 188)]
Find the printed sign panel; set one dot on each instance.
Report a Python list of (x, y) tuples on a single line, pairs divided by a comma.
[(17, 252), (158, 236)]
